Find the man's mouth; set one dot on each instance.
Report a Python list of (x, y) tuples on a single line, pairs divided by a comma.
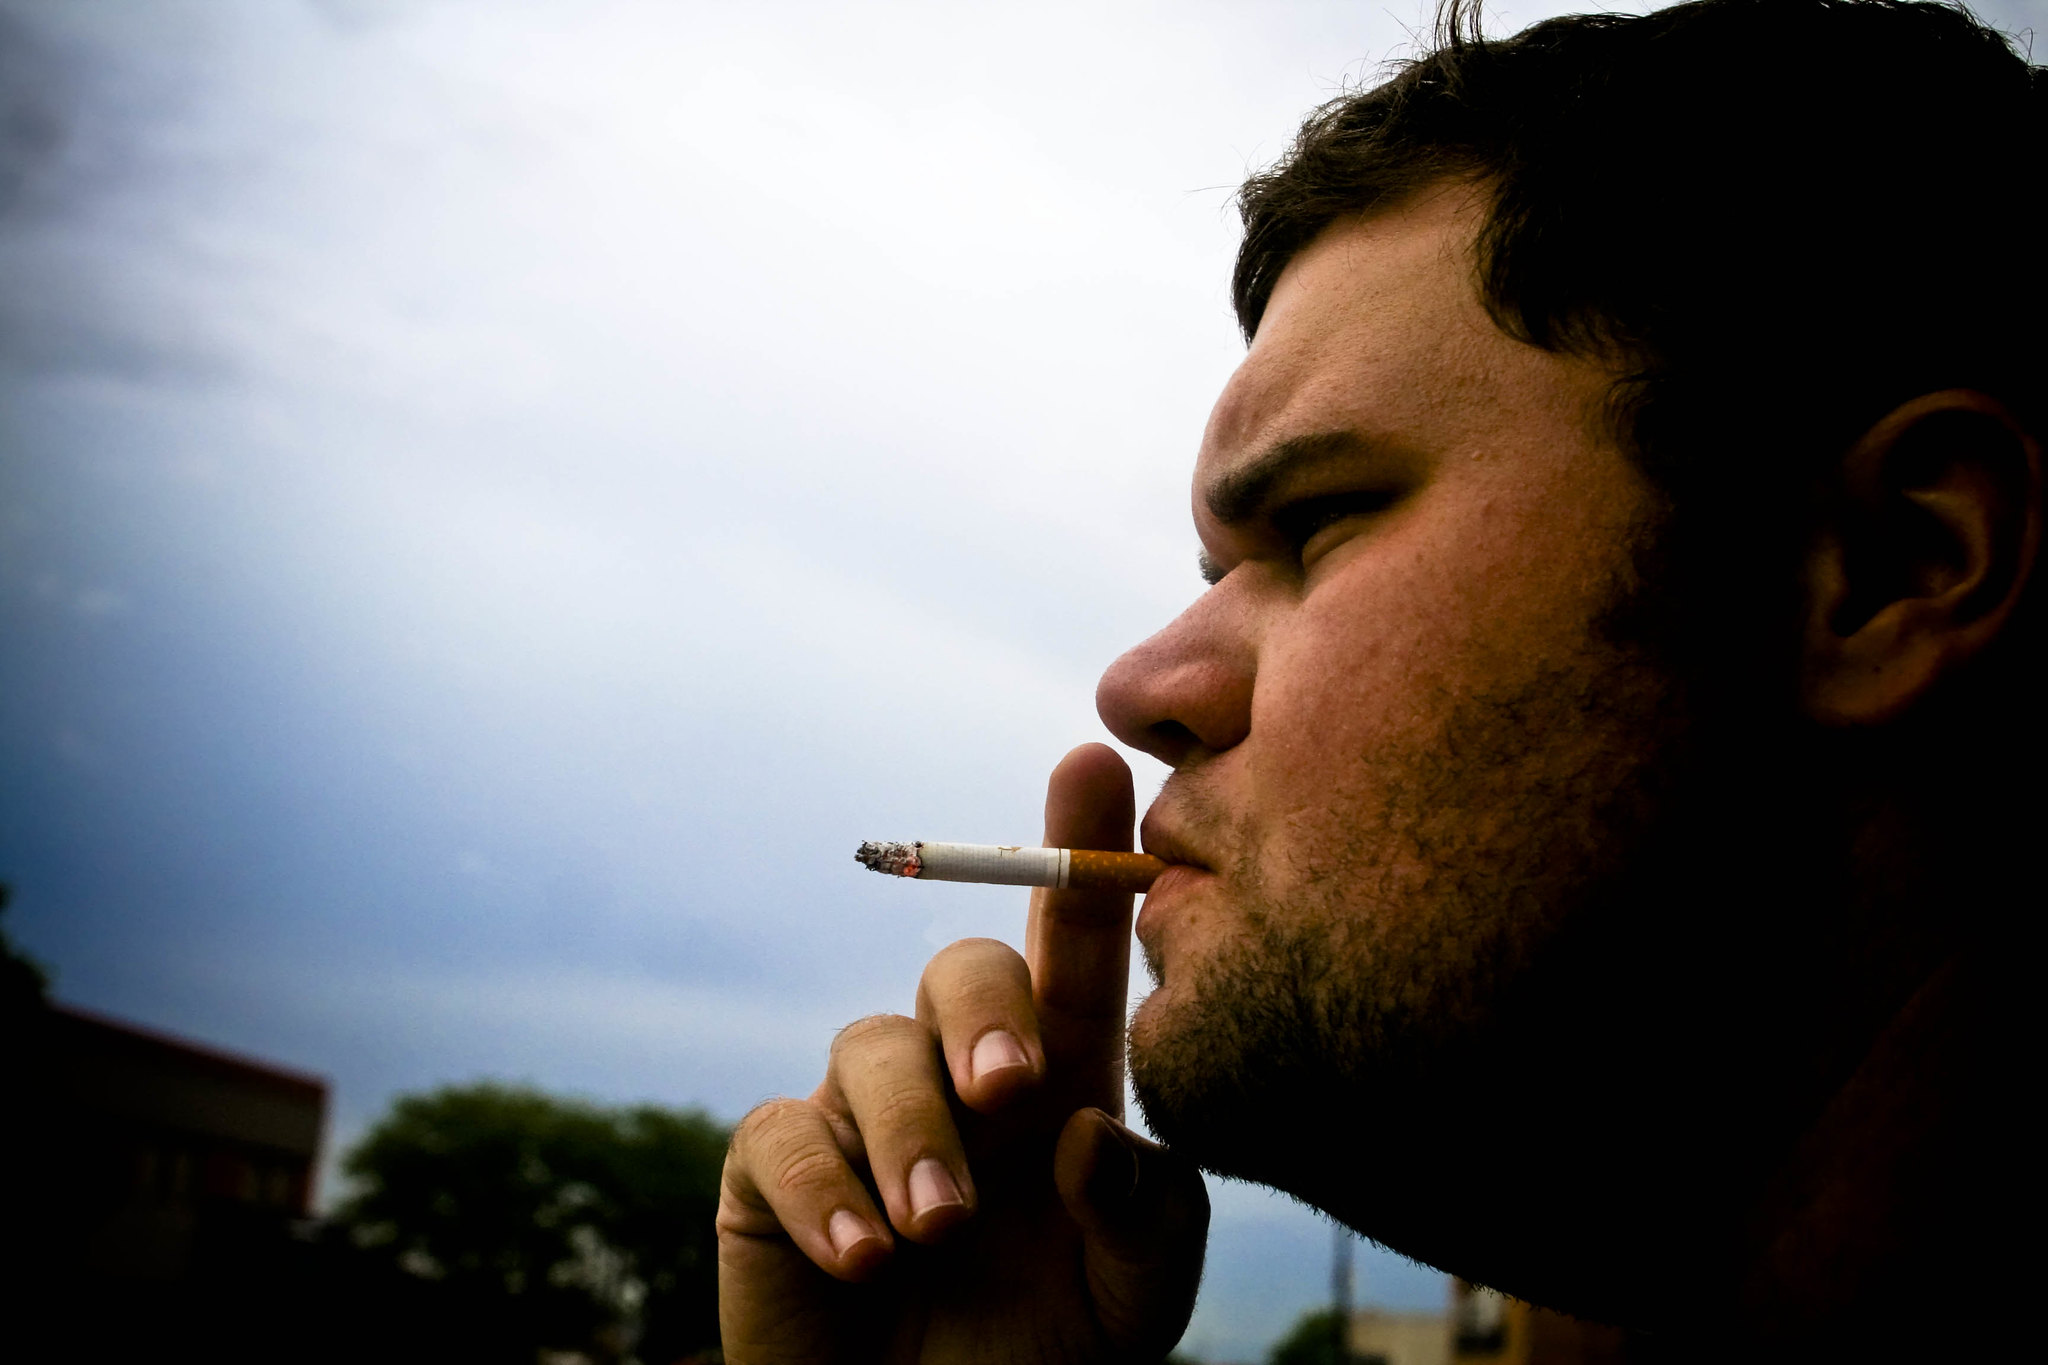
[(1187, 868), (1160, 840)]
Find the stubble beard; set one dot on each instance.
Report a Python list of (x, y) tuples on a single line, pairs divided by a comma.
[(1355, 1006), (1528, 1014)]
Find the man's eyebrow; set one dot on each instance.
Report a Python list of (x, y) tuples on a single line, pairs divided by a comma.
[(1240, 493)]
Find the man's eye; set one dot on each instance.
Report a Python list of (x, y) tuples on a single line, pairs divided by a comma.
[(1298, 523)]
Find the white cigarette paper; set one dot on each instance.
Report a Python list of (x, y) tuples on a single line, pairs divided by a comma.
[(989, 864), (1060, 869)]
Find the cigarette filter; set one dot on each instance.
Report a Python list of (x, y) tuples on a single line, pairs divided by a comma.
[(1063, 869)]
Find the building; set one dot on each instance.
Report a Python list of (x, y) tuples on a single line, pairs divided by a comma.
[(150, 1180), (1489, 1328), (1380, 1337), (179, 1153), (1482, 1327)]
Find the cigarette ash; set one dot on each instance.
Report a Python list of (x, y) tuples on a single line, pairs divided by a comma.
[(897, 860)]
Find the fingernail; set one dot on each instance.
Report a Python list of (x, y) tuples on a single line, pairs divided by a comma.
[(1115, 1178), (848, 1230), (931, 1187), (998, 1050)]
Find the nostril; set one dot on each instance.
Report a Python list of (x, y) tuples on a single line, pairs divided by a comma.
[(1171, 737)]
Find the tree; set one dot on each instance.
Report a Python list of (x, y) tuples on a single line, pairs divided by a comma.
[(554, 1224), (1312, 1341)]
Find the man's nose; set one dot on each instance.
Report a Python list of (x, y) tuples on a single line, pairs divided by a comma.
[(1188, 688)]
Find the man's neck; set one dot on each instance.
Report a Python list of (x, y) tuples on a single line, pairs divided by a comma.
[(1872, 1238)]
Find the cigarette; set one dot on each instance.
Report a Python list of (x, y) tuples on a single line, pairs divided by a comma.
[(1062, 869)]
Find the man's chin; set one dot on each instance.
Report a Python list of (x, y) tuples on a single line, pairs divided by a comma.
[(1150, 1020), (1269, 1064), (1185, 1102), (1222, 1062)]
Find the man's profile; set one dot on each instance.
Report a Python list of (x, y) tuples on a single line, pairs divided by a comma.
[(1617, 706)]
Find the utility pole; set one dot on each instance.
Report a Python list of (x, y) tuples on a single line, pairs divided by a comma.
[(1340, 1292)]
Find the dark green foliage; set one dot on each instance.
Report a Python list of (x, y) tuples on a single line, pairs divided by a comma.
[(1313, 1341), (556, 1224)]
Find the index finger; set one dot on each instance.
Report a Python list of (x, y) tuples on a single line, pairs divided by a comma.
[(1078, 943)]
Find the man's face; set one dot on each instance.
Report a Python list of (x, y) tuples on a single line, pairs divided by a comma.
[(1405, 736)]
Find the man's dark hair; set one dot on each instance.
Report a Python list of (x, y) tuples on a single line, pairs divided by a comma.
[(1781, 218), (1838, 190)]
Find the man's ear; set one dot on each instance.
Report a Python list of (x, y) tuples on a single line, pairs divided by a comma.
[(1926, 546)]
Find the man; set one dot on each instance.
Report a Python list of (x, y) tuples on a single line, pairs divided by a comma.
[(1604, 765)]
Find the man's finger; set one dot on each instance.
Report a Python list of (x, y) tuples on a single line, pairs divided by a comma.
[(788, 1206), (976, 995), (885, 1072), (786, 1178), (1078, 943)]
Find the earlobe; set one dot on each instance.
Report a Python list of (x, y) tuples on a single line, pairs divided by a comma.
[(1926, 549)]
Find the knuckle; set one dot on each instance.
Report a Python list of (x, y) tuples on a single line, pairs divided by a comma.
[(871, 1028), (788, 1144), (974, 949), (971, 957), (758, 1125), (996, 979), (810, 1168), (898, 1108), (874, 1029)]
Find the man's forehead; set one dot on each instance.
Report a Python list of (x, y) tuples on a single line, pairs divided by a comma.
[(1360, 325), (1376, 332)]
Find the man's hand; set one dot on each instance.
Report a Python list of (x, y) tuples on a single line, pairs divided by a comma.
[(959, 1188)]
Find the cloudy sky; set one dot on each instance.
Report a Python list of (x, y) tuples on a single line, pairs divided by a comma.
[(496, 499)]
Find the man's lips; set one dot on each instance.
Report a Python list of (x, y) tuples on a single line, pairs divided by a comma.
[(1157, 838), (1186, 868), (1169, 890)]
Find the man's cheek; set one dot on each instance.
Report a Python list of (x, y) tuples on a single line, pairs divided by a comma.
[(1322, 728)]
